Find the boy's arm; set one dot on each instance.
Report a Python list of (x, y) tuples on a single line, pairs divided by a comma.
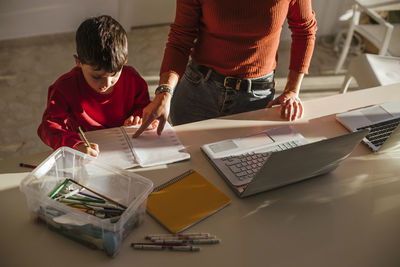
[(55, 129)]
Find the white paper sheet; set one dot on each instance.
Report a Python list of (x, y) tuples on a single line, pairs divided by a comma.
[(152, 149), (149, 149)]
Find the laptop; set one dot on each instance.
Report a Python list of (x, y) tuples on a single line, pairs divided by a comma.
[(382, 120), (277, 157)]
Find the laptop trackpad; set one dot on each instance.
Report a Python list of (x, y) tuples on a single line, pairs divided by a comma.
[(256, 140), (376, 114)]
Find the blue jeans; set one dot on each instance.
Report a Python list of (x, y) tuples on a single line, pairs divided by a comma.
[(197, 97)]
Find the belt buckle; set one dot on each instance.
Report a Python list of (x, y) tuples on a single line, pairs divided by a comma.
[(230, 87), (238, 83)]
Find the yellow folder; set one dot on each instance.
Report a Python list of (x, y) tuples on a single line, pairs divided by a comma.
[(184, 201)]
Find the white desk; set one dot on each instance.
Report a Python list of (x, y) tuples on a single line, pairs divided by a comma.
[(350, 217)]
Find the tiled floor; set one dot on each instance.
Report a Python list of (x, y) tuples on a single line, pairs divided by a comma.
[(29, 65)]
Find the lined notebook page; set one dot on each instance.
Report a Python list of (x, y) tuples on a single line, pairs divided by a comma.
[(118, 148), (151, 149), (184, 201), (114, 149)]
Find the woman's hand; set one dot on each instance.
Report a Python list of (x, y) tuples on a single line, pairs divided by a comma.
[(291, 107)]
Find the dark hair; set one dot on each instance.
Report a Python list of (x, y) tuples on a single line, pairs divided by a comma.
[(102, 42)]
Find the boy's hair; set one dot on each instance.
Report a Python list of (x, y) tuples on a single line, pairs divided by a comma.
[(102, 42)]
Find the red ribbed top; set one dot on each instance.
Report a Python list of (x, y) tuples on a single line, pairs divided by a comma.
[(239, 37)]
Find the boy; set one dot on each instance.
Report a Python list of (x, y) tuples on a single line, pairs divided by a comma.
[(100, 92)]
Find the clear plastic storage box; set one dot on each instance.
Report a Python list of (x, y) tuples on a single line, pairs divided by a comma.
[(127, 188)]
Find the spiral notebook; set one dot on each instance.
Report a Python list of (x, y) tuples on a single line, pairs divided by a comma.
[(184, 201), (119, 149)]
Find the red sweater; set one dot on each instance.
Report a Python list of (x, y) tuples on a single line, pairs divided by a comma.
[(239, 37), (71, 102)]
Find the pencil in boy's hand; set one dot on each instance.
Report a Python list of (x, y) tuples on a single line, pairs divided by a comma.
[(83, 136)]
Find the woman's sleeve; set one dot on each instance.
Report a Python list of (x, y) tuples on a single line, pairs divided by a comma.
[(182, 35), (303, 25)]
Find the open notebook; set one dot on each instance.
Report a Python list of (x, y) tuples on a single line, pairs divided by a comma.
[(119, 149)]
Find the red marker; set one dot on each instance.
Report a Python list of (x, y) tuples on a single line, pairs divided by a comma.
[(27, 165)]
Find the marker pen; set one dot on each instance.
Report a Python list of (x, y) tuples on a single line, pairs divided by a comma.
[(27, 165), (176, 247), (180, 241), (177, 235), (149, 247), (181, 237)]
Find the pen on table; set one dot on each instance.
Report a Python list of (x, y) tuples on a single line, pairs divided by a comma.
[(193, 237), (155, 244), (181, 236), (193, 241), (27, 165), (83, 136), (150, 246)]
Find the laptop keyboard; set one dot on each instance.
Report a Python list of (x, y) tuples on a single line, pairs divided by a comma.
[(245, 166), (381, 131)]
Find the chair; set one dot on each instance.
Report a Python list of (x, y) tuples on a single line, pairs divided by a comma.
[(384, 35), (372, 70)]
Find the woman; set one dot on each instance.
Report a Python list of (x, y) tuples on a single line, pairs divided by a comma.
[(233, 46)]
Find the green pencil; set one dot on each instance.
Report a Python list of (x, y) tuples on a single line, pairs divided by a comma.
[(61, 186), (83, 136)]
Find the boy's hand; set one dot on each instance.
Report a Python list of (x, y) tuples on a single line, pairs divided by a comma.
[(93, 150), (135, 120), (132, 120)]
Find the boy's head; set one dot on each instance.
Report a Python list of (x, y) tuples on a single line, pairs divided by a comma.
[(102, 42), (102, 48)]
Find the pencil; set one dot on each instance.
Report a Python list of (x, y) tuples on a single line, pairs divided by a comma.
[(84, 136), (27, 165), (58, 189), (106, 198)]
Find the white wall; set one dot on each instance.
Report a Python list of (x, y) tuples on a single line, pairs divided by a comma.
[(327, 13), (21, 18), (146, 12)]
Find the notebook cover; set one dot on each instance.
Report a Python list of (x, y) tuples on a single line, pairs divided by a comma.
[(184, 201)]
